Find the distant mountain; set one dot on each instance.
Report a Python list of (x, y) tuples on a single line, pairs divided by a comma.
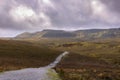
[(79, 34), (98, 33), (46, 34), (24, 35), (58, 34)]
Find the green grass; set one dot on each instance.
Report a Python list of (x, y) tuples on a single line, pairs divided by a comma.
[(19, 54)]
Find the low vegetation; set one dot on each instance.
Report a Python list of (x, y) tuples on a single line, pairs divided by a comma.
[(95, 60), (79, 67), (107, 51), (90, 61), (18, 54)]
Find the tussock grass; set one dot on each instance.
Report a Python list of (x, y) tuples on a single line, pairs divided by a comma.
[(90, 61), (19, 54)]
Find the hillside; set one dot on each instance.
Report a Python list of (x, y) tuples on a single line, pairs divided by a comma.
[(79, 34), (98, 33), (90, 61), (86, 61), (46, 34), (19, 54)]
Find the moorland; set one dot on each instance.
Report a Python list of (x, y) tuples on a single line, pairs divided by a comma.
[(94, 54)]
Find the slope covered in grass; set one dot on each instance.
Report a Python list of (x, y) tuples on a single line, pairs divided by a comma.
[(19, 54), (90, 61), (79, 67), (107, 51)]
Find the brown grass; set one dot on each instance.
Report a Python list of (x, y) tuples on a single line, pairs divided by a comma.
[(19, 54)]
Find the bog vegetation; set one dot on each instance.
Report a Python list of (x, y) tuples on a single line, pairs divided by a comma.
[(19, 54), (88, 60)]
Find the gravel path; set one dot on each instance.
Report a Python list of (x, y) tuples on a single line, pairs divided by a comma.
[(42, 73)]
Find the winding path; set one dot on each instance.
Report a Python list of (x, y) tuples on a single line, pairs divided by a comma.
[(42, 73)]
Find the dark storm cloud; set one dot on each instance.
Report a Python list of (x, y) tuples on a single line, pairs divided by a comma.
[(58, 14)]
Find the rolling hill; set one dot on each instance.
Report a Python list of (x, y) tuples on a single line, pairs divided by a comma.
[(20, 54), (78, 34)]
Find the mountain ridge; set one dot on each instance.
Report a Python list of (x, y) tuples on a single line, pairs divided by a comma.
[(81, 34)]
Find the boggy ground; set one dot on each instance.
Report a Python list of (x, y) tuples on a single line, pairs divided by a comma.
[(78, 67), (90, 61), (16, 55), (86, 61)]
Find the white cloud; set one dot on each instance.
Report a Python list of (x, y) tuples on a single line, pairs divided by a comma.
[(97, 7), (29, 17), (48, 2), (22, 13)]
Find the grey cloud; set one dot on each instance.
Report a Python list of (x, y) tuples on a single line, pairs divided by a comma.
[(7, 21), (70, 13), (79, 13), (34, 4), (64, 14), (113, 5)]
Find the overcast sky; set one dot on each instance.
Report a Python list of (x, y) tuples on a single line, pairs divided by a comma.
[(17, 16)]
